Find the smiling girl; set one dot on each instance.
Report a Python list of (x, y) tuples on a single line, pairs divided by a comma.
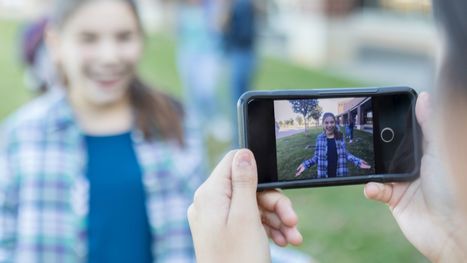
[(330, 152), (102, 168)]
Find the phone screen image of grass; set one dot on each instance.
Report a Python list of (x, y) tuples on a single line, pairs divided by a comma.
[(293, 150)]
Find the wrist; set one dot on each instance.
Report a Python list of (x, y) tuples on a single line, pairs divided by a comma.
[(451, 252)]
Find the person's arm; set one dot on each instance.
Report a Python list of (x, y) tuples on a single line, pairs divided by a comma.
[(313, 160), (230, 221), (8, 206)]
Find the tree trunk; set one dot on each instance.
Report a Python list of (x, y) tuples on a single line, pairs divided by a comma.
[(305, 123)]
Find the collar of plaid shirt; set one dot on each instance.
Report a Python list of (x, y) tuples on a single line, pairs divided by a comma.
[(44, 193)]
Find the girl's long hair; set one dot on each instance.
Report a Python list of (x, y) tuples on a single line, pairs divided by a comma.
[(157, 115), (337, 133)]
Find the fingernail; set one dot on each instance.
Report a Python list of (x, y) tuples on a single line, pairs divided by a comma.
[(244, 160), (378, 186)]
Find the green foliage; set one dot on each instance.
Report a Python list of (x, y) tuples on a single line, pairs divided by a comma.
[(12, 89), (299, 120)]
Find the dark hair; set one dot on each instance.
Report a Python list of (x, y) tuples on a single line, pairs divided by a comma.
[(337, 133), (451, 16), (158, 115)]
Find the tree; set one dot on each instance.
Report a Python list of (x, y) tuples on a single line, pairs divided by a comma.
[(305, 108), (316, 113), (299, 120)]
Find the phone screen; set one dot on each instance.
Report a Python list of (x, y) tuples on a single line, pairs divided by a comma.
[(324, 138), (332, 139)]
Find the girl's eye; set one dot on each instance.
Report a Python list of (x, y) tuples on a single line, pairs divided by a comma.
[(124, 36), (88, 38)]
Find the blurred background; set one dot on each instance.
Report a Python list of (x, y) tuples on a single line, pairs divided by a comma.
[(295, 44)]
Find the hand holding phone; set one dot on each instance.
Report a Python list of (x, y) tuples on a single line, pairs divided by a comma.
[(426, 209), (304, 138), (227, 210)]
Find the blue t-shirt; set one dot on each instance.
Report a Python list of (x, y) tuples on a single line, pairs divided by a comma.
[(118, 227), (332, 157)]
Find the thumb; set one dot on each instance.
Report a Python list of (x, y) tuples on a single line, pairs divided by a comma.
[(244, 182)]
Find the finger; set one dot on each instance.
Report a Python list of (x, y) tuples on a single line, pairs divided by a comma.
[(378, 192), (216, 184), (271, 219), (223, 169), (300, 171), (424, 116), (244, 205), (292, 235), (267, 229), (278, 237), (278, 203)]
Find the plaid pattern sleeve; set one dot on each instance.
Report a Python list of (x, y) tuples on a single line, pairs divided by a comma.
[(8, 198), (318, 150)]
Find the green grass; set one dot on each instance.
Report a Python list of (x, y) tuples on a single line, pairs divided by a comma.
[(293, 150), (338, 224), (12, 89)]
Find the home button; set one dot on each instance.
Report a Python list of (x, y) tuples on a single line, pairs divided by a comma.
[(387, 135)]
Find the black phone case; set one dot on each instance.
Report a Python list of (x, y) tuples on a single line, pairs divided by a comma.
[(242, 107)]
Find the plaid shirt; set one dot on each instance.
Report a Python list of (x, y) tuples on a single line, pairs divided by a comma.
[(321, 157), (44, 192)]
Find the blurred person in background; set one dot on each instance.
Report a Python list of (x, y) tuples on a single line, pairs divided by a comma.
[(351, 128), (40, 72), (240, 23), (103, 169), (199, 49), (431, 211)]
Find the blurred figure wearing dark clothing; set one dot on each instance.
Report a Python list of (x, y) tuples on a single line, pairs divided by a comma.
[(240, 31)]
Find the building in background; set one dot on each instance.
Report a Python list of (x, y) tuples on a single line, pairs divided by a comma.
[(357, 110), (385, 42)]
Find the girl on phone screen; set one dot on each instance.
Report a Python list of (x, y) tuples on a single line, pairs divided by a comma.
[(102, 168), (330, 152)]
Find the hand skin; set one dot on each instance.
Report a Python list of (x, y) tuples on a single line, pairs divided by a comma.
[(364, 165), (231, 222), (425, 209), (300, 170)]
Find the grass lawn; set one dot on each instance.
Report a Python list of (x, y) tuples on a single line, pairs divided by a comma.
[(293, 150), (338, 224)]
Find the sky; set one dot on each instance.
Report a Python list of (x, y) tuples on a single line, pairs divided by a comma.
[(283, 109)]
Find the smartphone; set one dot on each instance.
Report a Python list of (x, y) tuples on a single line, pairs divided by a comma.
[(327, 137)]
